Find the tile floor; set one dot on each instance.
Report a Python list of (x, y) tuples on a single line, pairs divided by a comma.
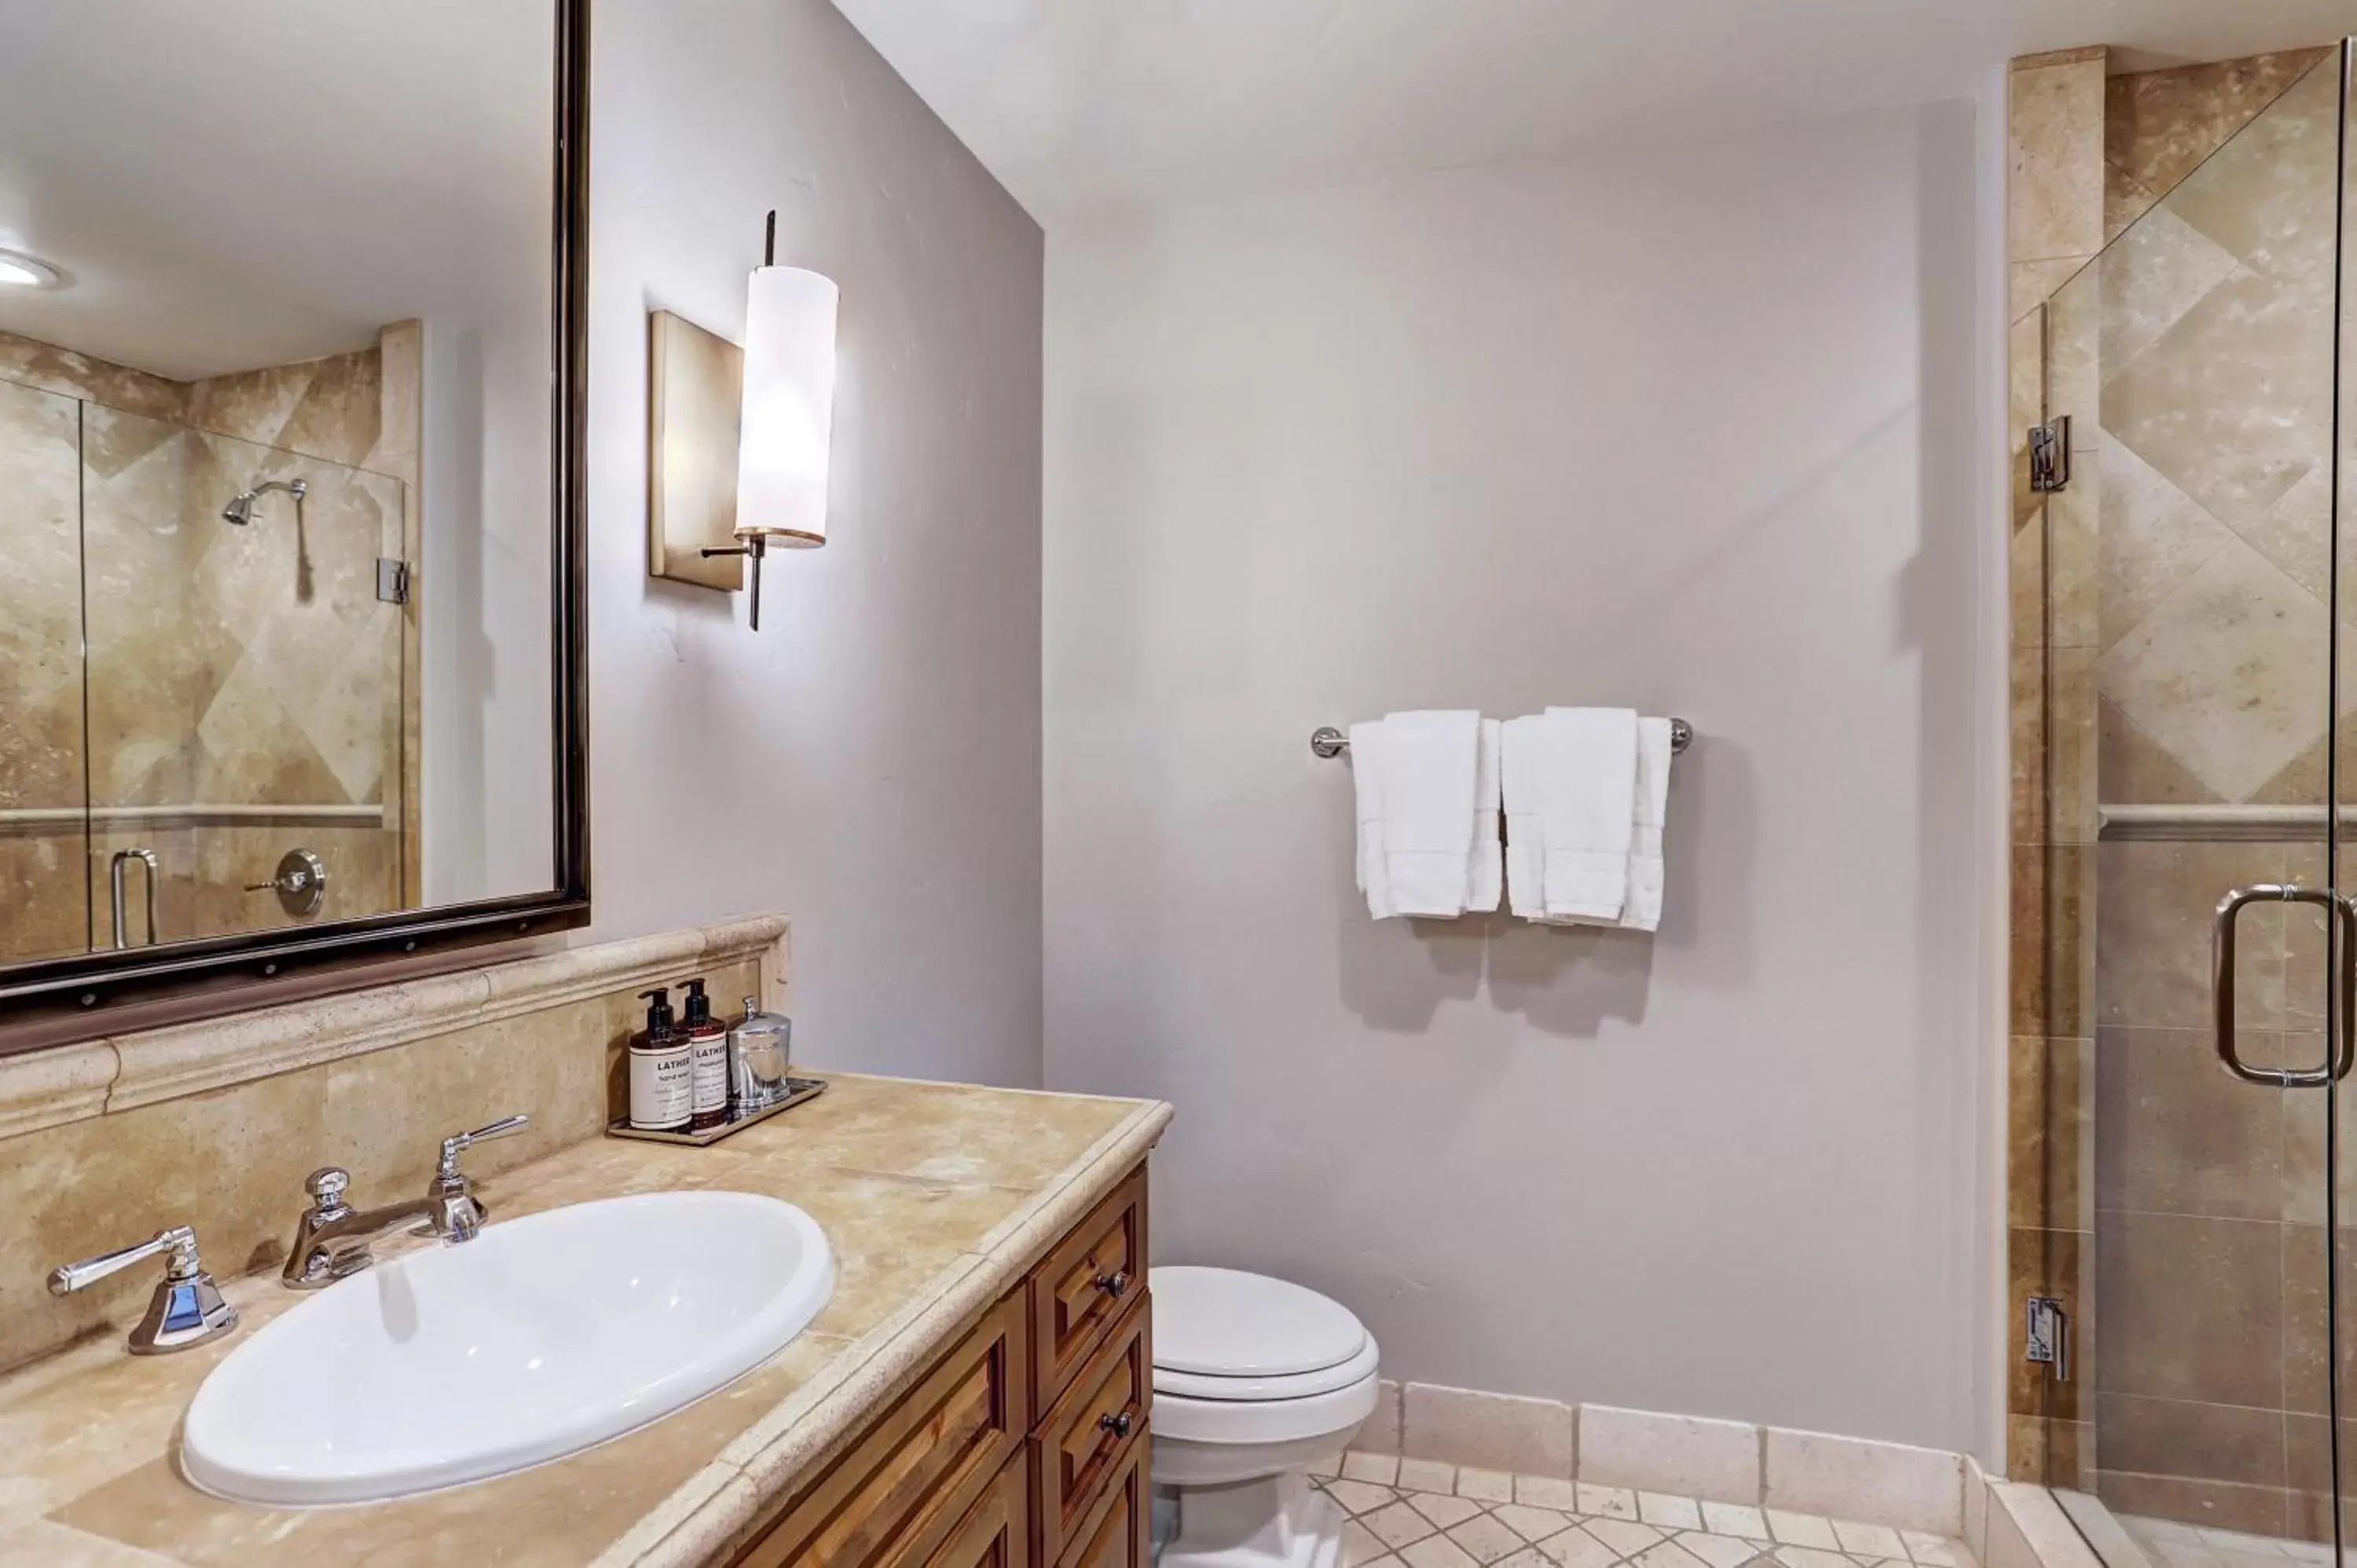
[(1418, 1513), (2173, 1545)]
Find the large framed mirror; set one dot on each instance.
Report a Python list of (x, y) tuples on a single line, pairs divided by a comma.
[(291, 549)]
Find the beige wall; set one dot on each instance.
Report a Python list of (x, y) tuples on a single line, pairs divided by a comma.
[(1691, 430), (870, 759)]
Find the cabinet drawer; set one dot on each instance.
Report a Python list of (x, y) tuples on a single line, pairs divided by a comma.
[(1119, 1532), (998, 1533), (896, 1496), (1078, 1291), (1080, 1449)]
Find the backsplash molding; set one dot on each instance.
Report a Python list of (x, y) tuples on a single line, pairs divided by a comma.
[(52, 1088)]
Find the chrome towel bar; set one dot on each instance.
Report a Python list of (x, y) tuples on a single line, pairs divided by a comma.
[(1328, 742)]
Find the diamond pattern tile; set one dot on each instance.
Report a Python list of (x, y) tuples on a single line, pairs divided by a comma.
[(1481, 1519), (2228, 672)]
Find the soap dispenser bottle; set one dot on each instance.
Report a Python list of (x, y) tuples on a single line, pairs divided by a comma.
[(708, 1045), (663, 1073)]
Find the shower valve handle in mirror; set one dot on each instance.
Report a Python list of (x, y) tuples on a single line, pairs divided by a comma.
[(300, 882)]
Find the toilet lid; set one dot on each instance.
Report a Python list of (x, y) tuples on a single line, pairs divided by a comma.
[(1223, 1323)]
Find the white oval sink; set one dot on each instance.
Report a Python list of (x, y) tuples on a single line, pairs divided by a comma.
[(539, 1337)]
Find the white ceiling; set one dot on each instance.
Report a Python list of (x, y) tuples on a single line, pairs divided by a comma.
[(240, 183), (1075, 103)]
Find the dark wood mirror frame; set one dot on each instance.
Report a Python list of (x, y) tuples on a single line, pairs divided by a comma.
[(54, 1000)]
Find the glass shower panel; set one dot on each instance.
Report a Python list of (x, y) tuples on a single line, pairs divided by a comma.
[(2192, 723), (44, 912), (2332, 1444), (245, 678)]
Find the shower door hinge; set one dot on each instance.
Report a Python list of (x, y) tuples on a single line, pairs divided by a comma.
[(2048, 1337), (2049, 454), (391, 580)]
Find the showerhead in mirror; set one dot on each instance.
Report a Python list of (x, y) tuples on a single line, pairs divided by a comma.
[(241, 511)]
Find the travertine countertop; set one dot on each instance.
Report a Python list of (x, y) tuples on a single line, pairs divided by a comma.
[(935, 1197)]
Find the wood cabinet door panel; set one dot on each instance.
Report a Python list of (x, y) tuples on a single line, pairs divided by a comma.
[(1119, 1532), (899, 1489), (998, 1533), (1092, 1431), (1084, 1286)]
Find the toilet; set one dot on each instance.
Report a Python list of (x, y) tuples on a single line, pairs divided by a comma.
[(1254, 1381)]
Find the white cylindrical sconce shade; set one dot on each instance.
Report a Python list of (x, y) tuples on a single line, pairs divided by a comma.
[(788, 409)]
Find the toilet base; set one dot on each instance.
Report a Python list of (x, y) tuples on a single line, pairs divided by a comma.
[(1277, 1521)]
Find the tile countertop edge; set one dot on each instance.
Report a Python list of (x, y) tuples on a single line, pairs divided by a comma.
[(717, 1524)]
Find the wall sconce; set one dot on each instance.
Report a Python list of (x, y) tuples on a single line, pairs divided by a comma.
[(787, 417)]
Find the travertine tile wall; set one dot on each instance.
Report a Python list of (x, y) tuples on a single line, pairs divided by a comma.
[(227, 666), (215, 1126), (2168, 629), (2055, 227), (42, 909)]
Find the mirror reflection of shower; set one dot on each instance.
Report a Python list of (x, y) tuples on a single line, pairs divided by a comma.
[(240, 511)]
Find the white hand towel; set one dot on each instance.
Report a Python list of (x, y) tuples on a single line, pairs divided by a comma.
[(1522, 777), (1589, 782), (1644, 910), (1367, 774), (1482, 893), (1430, 760)]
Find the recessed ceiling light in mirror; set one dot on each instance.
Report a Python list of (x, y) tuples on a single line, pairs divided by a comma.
[(19, 270)]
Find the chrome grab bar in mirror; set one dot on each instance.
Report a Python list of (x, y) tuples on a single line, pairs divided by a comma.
[(2221, 983), (114, 876)]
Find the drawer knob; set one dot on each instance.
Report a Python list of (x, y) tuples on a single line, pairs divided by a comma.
[(1114, 1284), (1118, 1423)]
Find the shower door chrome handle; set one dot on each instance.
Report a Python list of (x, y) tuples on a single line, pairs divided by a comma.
[(114, 876), (2344, 981)]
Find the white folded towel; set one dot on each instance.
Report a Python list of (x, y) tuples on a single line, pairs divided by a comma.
[(1367, 774), (1588, 781), (1521, 773), (1644, 910), (1430, 762), (1488, 873)]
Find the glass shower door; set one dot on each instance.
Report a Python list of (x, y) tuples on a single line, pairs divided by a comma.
[(44, 912), (244, 683), (2193, 738)]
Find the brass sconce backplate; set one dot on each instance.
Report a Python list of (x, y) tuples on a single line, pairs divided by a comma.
[(695, 387)]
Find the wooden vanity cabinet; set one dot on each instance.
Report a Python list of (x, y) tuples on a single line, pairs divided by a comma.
[(1024, 1446)]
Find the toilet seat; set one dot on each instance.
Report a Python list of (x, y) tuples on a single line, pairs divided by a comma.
[(1226, 1324), (1266, 1421), (1244, 1358), (1263, 1390)]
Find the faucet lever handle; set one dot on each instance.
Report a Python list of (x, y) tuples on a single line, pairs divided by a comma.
[(179, 1241), (459, 1143), (187, 1308), (327, 1186)]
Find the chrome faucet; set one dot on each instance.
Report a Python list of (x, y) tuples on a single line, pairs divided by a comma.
[(332, 1239)]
